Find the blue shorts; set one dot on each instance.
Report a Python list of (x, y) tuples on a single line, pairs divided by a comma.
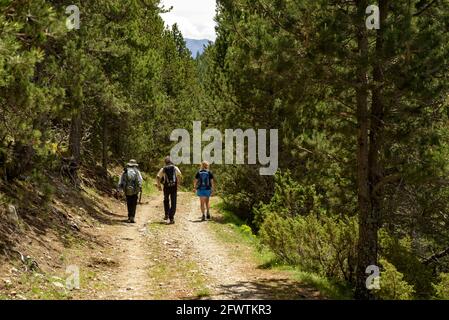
[(204, 193)]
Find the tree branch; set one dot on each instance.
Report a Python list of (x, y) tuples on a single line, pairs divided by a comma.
[(436, 256), (425, 8)]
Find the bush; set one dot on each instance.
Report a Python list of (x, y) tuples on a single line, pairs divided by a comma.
[(399, 252), (322, 245), (295, 226), (246, 230), (290, 199), (251, 196), (242, 188), (392, 285), (442, 288)]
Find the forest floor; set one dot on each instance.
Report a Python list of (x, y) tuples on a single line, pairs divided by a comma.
[(151, 260)]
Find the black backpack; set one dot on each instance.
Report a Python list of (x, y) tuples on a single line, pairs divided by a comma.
[(170, 179)]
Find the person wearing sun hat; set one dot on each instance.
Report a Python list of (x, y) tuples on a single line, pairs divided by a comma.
[(131, 184)]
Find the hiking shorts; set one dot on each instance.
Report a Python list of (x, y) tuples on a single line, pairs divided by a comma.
[(204, 193)]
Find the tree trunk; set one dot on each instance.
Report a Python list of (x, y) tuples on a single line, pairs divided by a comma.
[(376, 170), (367, 243), (370, 179), (104, 142), (75, 137)]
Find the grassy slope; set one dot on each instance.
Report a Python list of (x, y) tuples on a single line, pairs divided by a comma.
[(47, 211)]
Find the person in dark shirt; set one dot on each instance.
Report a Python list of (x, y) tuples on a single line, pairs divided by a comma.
[(170, 177)]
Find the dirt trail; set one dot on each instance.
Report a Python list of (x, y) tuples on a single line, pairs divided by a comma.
[(152, 260)]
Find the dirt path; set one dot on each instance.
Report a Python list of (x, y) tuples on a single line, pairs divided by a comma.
[(188, 260)]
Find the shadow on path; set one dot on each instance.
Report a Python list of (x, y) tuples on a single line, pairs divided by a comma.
[(268, 289)]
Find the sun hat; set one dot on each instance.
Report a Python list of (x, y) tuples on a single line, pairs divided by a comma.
[(132, 163)]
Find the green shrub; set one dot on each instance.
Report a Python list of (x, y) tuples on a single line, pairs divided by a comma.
[(392, 284), (442, 288), (300, 232), (246, 230), (399, 252), (290, 199), (322, 245), (242, 188)]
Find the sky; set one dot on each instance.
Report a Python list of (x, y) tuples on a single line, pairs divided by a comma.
[(195, 18)]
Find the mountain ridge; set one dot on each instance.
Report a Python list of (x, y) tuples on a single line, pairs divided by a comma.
[(197, 46)]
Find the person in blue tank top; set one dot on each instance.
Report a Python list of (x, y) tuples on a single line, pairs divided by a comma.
[(204, 186)]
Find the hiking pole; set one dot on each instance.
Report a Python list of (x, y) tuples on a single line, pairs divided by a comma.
[(140, 197)]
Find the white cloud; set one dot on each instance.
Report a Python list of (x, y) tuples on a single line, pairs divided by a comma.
[(195, 18)]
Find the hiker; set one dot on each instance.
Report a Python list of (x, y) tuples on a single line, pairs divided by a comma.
[(170, 177), (131, 184), (204, 186)]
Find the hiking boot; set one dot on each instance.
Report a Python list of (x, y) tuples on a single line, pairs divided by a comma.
[(172, 221), (203, 218), (132, 221), (208, 216), (166, 218)]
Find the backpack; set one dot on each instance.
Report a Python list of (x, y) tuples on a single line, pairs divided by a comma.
[(204, 180), (131, 182), (170, 179)]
